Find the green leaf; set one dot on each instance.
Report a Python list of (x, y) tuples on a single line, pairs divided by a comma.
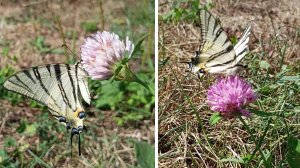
[(10, 142), (261, 113), (31, 129), (22, 127), (234, 40), (3, 155), (5, 51), (89, 26), (293, 155), (138, 45), (111, 95), (214, 119), (264, 65), (290, 78), (145, 154)]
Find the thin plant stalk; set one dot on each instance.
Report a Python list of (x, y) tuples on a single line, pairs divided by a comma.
[(256, 143), (131, 77), (101, 14), (62, 35)]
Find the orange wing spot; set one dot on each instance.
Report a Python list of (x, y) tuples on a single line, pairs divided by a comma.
[(77, 112)]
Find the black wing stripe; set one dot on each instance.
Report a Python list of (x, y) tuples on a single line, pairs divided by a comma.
[(227, 39), (202, 31), (225, 63), (25, 86), (27, 73), (215, 26), (48, 66), (245, 50), (38, 76), (72, 82), (208, 21), (227, 50), (21, 86), (218, 33), (62, 90), (76, 73)]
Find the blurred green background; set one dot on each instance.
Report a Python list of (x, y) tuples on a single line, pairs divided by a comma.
[(120, 119)]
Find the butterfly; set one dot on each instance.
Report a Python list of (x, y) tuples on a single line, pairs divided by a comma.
[(216, 54), (60, 87)]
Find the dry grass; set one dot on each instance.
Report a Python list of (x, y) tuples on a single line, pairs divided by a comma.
[(188, 141)]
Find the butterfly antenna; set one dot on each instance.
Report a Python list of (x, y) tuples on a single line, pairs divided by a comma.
[(65, 45)]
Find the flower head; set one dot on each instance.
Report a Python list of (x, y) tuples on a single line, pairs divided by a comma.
[(101, 52), (229, 95)]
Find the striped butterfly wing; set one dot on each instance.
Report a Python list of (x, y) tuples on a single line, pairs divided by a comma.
[(217, 54), (58, 86), (54, 85)]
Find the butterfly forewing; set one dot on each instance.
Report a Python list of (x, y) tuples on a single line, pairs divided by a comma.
[(217, 54), (213, 36), (54, 85)]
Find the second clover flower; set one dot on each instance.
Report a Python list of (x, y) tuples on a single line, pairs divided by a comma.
[(229, 95), (101, 52)]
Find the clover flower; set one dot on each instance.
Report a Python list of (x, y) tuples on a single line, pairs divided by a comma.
[(229, 95), (101, 52)]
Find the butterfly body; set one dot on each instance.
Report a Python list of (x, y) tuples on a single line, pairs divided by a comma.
[(216, 54)]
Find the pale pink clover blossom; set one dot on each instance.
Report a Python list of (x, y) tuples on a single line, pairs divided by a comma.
[(100, 53)]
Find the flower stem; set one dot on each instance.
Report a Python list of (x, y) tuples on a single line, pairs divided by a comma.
[(256, 143), (127, 75)]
